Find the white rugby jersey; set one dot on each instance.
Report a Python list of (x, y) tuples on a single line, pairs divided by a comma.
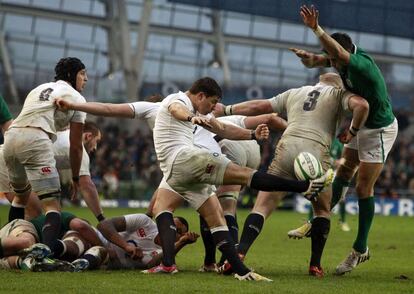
[(172, 135), (203, 138), (237, 120), (39, 109), (61, 150), (140, 231), (146, 111), (313, 112)]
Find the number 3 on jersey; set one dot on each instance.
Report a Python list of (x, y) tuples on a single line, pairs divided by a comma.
[(310, 102)]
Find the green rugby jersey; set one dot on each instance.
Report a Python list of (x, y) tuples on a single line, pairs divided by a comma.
[(5, 114), (39, 221), (363, 77), (336, 149)]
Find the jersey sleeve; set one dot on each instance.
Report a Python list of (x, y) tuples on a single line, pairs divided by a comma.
[(143, 109), (136, 221), (68, 93), (84, 168), (5, 114), (179, 99), (360, 63), (345, 95), (279, 102)]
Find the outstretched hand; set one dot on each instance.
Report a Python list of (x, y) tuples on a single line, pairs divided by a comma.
[(309, 16)]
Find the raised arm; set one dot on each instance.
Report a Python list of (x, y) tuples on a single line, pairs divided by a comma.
[(333, 48)]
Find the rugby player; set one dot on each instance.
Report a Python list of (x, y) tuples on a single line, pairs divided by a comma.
[(28, 150), (368, 150)]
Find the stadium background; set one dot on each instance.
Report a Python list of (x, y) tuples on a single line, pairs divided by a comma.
[(135, 48)]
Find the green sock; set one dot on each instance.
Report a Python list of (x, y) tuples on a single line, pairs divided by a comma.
[(310, 214), (366, 215), (342, 212), (339, 188)]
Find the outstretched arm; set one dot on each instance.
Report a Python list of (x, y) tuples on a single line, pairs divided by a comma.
[(232, 132), (98, 108), (335, 50), (272, 120), (248, 108), (311, 59)]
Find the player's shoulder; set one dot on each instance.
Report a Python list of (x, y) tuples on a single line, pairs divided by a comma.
[(359, 56), (180, 97)]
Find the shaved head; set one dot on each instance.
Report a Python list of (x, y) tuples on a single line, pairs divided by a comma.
[(332, 79)]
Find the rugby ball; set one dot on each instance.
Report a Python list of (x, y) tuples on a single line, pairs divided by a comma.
[(307, 167)]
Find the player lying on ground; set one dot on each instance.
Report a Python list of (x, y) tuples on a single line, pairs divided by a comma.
[(132, 242), (20, 245), (313, 112)]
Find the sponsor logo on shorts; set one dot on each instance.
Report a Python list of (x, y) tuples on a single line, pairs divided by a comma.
[(46, 170), (209, 168)]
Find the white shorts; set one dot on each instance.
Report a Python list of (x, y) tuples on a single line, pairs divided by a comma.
[(288, 148), (193, 173), (4, 175), (17, 227), (373, 145), (245, 153), (28, 154)]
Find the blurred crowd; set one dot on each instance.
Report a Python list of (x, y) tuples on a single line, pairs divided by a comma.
[(125, 164)]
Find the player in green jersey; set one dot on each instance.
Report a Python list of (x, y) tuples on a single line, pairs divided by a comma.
[(367, 148), (5, 116)]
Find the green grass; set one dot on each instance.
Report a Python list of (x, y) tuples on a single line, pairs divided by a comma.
[(273, 255)]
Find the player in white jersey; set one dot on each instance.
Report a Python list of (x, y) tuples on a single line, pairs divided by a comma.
[(125, 110), (91, 136), (243, 153), (28, 151), (314, 113), (188, 170), (133, 242)]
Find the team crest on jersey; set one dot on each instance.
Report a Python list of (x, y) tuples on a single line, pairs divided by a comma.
[(210, 168), (46, 170)]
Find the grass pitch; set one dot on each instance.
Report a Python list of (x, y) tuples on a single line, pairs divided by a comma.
[(390, 270)]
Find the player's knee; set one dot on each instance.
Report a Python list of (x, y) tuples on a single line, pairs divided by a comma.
[(363, 189), (347, 169)]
